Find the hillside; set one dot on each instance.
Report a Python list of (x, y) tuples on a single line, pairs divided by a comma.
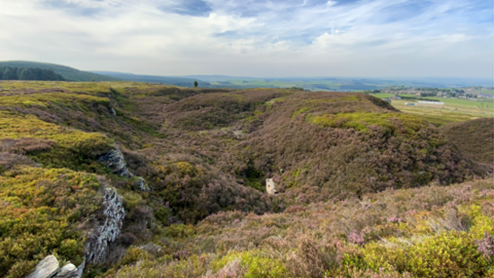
[(68, 73), (124, 178), (474, 138)]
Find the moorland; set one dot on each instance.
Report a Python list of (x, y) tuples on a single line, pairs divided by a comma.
[(366, 189)]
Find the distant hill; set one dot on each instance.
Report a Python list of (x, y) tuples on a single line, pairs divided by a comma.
[(67, 73), (177, 81), (219, 78)]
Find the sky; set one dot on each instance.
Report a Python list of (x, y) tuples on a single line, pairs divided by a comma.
[(260, 38)]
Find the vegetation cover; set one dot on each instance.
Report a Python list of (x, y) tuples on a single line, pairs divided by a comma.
[(13, 73), (475, 138), (67, 73), (363, 187)]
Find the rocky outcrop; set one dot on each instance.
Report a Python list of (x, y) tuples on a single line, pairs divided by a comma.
[(49, 268), (115, 160), (107, 232), (97, 244)]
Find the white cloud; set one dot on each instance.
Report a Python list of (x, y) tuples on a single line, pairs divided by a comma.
[(262, 38)]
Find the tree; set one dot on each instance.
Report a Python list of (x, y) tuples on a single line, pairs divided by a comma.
[(28, 74), (196, 84), (10, 74)]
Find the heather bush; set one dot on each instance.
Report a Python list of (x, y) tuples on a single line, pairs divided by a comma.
[(42, 211), (365, 191), (474, 139)]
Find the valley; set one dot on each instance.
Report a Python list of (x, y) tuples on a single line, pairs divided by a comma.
[(366, 188)]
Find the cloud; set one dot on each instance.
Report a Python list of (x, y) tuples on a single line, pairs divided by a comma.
[(254, 37)]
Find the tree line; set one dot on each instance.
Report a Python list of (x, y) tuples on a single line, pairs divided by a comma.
[(15, 73)]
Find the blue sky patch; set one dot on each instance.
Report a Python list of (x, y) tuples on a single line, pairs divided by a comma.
[(189, 7)]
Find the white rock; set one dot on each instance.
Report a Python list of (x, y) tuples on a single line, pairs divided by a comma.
[(68, 271), (271, 187), (46, 268)]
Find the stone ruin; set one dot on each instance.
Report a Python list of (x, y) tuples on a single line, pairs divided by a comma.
[(271, 187)]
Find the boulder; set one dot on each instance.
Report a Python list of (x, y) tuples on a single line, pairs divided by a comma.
[(68, 271), (46, 268)]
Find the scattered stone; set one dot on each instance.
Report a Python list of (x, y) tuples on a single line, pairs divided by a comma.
[(46, 268)]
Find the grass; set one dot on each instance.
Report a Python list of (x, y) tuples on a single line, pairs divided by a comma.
[(454, 110)]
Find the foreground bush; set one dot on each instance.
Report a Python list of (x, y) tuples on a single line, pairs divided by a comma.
[(41, 213)]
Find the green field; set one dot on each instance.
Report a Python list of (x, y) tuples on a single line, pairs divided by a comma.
[(454, 110), (313, 84)]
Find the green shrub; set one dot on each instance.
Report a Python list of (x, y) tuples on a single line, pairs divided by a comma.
[(449, 254), (362, 121), (41, 213), (256, 264), (71, 148)]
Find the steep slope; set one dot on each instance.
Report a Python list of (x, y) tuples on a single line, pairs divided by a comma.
[(68, 73), (474, 138)]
